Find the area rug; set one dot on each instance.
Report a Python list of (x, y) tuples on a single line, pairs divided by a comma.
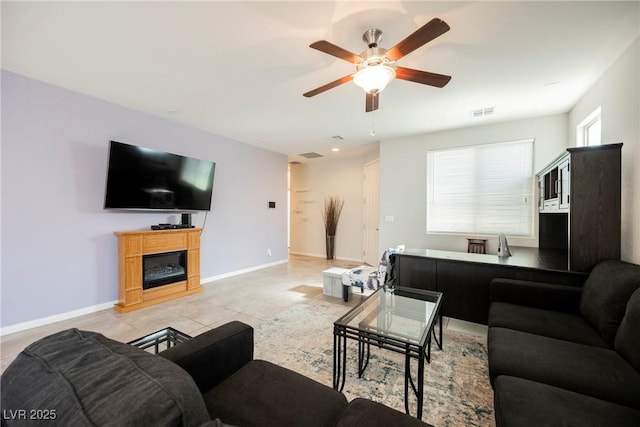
[(457, 390)]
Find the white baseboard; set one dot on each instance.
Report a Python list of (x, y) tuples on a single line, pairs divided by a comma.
[(19, 327), (360, 261), (237, 272)]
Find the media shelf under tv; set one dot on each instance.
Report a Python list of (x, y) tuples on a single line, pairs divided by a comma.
[(171, 226), (134, 246)]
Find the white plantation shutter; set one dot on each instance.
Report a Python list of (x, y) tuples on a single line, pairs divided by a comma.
[(481, 189)]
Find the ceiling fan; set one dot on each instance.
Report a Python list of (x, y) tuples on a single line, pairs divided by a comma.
[(375, 67)]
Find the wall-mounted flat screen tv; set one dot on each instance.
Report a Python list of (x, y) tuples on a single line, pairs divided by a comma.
[(145, 179)]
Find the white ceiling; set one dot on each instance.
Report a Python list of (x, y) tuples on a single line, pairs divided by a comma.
[(239, 69)]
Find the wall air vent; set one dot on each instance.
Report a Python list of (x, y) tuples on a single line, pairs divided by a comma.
[(295, 162), (482, 112), (311, 155)]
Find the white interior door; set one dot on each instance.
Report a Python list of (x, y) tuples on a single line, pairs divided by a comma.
[(371, 212)]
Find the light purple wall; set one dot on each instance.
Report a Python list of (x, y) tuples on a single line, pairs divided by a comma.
[(59, 253)]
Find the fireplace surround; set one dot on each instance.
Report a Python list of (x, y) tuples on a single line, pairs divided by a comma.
[(155, 266)]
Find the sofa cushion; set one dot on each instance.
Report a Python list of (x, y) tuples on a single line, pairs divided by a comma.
[(627, 341), (548, 296), (524, 403), (553, 324), (605, 295), (263, 394), (86, 379), (367, 413), (594, 371)]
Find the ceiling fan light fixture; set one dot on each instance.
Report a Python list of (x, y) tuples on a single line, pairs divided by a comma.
[(373, 79), (375, 67)]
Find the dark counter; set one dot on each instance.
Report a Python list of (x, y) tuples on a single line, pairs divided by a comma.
[(464, 278)]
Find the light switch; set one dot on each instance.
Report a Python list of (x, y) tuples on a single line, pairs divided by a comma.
[(388, 218)]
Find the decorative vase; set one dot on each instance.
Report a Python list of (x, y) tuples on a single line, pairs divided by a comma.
[(330, 246)]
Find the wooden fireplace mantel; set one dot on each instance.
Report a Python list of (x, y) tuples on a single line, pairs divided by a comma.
[(133, 245)]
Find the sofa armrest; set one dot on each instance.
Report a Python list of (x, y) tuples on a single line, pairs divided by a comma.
[(548, 296), (364, 412), (213, 356)]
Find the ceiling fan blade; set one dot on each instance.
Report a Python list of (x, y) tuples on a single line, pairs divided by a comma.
[(372, 102), (337, 51), (429, 31), (328, 86), (423, 77)]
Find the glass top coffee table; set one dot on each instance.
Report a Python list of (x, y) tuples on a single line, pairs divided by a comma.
[(160, 340), (399, 319)]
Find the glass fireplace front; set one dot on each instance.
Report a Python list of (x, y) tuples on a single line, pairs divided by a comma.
[(163, 269)]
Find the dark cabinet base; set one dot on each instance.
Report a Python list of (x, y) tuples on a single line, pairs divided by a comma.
[(464, 278)]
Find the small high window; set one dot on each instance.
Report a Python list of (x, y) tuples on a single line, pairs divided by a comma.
[(589, 131)]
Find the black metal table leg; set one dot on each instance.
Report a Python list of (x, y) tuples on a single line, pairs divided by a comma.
[(344, 361), (336, 356), (360, 357), (439, 340), (339, 359), (364, 351), (418, 390), (337, 365), (407, 380)]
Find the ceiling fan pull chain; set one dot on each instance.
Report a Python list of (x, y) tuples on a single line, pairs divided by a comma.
[(373, 129)]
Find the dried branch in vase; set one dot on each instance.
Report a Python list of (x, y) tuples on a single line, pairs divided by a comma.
[(331, 215)]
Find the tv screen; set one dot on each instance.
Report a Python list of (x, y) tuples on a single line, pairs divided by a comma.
[(146, 179)]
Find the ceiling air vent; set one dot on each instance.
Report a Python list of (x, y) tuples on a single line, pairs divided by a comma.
[(482, 112), (311, 155)]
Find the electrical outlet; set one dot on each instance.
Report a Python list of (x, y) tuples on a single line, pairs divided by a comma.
[(269, 252)]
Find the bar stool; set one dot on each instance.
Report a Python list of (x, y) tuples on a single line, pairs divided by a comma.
[(476, 246)]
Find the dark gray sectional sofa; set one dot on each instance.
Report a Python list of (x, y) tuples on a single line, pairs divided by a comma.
[(567, 356), (81, 378)]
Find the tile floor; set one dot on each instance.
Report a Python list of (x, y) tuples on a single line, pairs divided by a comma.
[(250, 297)]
